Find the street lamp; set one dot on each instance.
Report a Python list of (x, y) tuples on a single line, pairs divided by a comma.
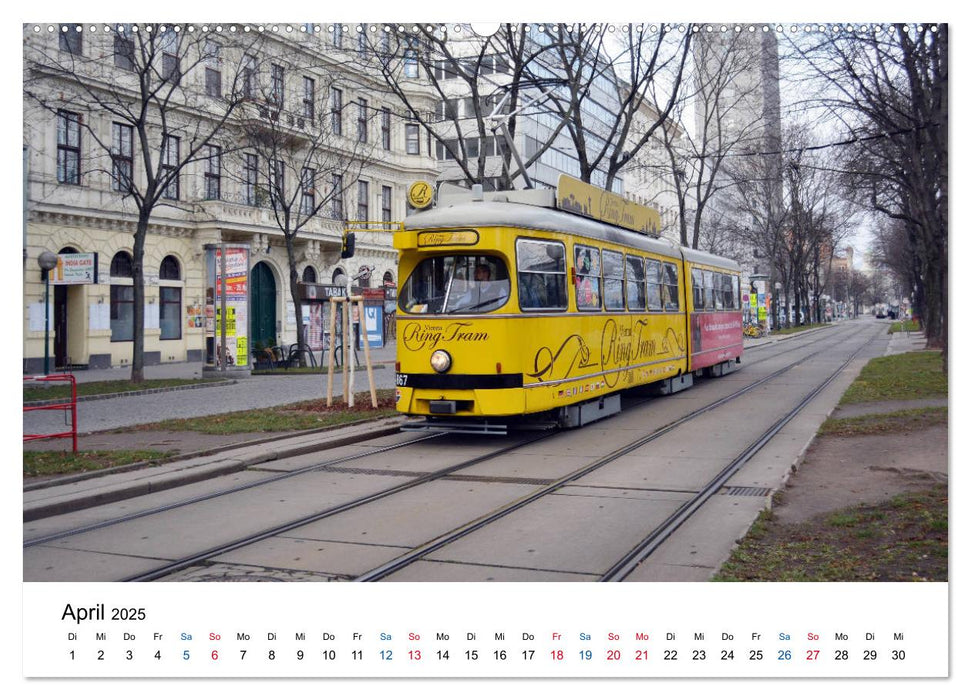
[(47, 261)]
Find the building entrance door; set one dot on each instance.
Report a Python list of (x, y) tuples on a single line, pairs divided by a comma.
[(262, 312), (61, 359)]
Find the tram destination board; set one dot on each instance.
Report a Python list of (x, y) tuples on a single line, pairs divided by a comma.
[(197, 630)]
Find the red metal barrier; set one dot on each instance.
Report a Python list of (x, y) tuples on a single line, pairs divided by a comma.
[(72, 405)]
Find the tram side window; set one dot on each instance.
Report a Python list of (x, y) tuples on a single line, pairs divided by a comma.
[(613, 266), (636, 301), (727, 286), (719, 291), (698, 289), (587, 277), (542, 275), (709, 290), (670, 289), (737, 290), (654, 302)]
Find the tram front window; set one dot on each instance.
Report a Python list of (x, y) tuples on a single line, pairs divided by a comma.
[(456, 284)]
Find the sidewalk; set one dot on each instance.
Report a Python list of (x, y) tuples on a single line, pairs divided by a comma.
[(112, 412), (193, 370)]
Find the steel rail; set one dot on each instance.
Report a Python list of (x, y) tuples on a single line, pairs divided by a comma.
[(185, 562), (630, 561), (423, 550)]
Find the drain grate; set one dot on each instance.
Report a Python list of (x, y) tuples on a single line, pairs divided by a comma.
[(754, 491)]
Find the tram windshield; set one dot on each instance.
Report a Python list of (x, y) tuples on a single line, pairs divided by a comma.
[(456, 284)]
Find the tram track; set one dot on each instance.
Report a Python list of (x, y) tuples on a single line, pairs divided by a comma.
[(450, 472), (653, 539), (326, 465)]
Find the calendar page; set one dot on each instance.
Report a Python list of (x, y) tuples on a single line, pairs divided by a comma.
[(620, 425)]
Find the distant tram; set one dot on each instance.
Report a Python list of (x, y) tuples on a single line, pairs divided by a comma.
[(547, 304)]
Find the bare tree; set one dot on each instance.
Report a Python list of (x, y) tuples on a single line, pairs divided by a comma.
[(303, 162), (609, 76), (146, 79), (722, 85), (471, 77), (889, 88)]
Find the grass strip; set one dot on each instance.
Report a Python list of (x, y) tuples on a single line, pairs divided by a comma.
[(881, 423), (909, 375), (52, 463), (304, 415), (37, 391), (903, 539)]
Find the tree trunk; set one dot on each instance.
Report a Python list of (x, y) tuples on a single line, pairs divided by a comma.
[(138, 287)]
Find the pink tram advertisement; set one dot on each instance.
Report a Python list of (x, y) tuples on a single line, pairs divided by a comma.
[(715, 337)]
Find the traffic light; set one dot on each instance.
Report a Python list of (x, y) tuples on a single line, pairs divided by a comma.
[(347, 246)]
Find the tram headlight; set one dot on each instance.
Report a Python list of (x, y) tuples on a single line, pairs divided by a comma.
[(441, 361)]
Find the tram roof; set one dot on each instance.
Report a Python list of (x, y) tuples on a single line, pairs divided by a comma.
[(541, 218)]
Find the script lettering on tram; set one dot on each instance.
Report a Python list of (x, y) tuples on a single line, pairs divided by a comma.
[(419, 336), (430, 239), (621, 346)]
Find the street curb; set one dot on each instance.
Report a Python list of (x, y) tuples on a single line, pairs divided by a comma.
[(192, 474)]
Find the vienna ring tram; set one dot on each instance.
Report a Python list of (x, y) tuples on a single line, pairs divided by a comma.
[(542, 306)]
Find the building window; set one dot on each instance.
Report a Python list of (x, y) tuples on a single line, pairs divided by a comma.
[(213, 172), (362, 40), (70, 39), (124, 49), (276, 84), (214, 83), (385, 204), (170, 313), (250, 77), (170, 300), (122, 306), (336, 107), (170, 162), (277, 183), (362, 200), (69, 148), (411, 57), (337, 36), (386, 128), (307, 195), (170, 68), (250, 175), (309, 275), (337, 196), (362, 120), (121, 157), (214, 76), (308, 98), (412, 142)]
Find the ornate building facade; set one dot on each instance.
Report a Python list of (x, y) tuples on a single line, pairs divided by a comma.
[(221, 95)]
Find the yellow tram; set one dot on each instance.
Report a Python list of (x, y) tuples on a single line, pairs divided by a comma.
[(548, 303)]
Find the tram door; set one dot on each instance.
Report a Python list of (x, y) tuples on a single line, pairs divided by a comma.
[(262, 310)]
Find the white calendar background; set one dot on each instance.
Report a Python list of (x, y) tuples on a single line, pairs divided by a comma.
[(660, 630)]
